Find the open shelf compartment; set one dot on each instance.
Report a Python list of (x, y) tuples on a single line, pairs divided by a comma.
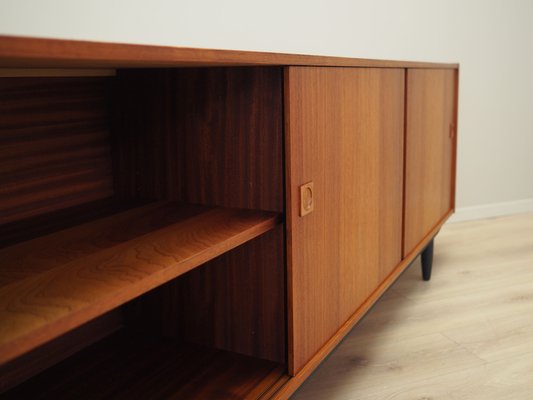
[(158, 368), (154, 196), (55, 283)]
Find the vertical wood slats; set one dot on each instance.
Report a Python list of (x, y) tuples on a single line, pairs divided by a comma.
[(54, 144)]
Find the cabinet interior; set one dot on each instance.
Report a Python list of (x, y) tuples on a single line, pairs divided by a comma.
[(142, 231)]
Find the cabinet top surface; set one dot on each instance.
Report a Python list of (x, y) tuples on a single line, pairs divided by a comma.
[(20, 52)]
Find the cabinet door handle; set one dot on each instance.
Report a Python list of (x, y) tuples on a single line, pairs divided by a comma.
[(307, 203), (452, 130)]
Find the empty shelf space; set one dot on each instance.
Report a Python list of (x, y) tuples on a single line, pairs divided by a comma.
[(127, 365), (55, 283)]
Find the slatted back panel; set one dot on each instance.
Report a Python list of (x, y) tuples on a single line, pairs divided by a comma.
[(55, 147)]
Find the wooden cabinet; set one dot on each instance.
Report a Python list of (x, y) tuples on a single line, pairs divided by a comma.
[(344, 133), (429, 152), (205, 224)]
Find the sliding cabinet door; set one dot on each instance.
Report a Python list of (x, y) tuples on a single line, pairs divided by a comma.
[(430, 152), (344, 160)]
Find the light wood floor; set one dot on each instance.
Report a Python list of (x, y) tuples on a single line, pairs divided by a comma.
[(466, 334)]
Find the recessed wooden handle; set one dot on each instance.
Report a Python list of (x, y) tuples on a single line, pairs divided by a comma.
[(307, 203), (452, 130)]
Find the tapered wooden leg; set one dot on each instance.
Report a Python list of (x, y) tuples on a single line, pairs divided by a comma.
[(427, 261)]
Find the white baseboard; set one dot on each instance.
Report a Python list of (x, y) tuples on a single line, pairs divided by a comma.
[(492, 210)]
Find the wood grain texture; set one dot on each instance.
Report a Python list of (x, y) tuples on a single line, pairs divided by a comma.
[(53, 72), (291, 385), (231, 119), (243, 289), (235, 302), (211, 136), (429, 151), (54, 144), (214, 137), (53, 53), (455, 140), (29, 228), (93, 276), (479, 298), (142, 111), (345, 133), (158, 368), (34, 257), (202, 136), (30, 364)]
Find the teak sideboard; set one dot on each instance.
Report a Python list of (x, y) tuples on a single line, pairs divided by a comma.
[(206, 224)]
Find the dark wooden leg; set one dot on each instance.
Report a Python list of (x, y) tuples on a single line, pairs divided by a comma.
[(427, 261)]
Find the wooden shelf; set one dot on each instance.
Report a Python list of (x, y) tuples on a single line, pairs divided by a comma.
[(58, 282), (126, 365)]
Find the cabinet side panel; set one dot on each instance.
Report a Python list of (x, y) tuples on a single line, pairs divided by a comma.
[(430, 133), (237, 302), (345, 134)]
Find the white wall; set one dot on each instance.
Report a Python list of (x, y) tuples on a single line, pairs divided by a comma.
[(492, 39)]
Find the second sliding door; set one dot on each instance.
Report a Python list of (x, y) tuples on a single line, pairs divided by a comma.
[(430, 152), (344, 136)]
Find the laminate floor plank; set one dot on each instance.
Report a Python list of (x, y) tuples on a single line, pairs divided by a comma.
[(502, 380)]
